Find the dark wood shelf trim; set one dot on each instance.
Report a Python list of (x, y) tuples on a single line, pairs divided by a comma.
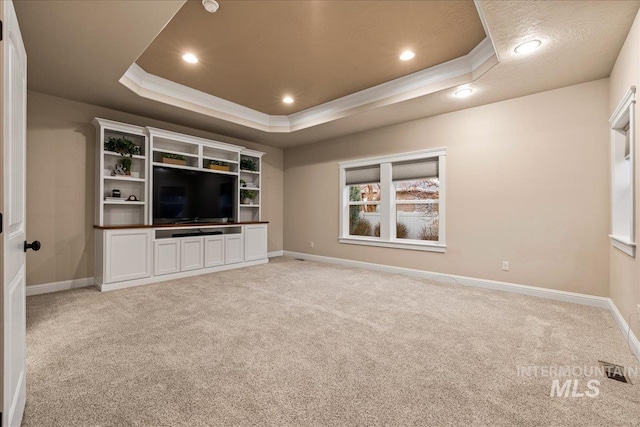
[(198, 225)]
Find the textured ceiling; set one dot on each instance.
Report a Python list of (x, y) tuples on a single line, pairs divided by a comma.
[(77, 52), (255, 52)]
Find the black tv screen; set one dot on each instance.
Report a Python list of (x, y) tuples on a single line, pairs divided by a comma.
[(181, 195)]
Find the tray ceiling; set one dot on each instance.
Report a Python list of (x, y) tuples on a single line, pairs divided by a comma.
[(253, 53), (83, 50)]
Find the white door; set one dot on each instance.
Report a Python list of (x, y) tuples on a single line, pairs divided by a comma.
[(14, 89)]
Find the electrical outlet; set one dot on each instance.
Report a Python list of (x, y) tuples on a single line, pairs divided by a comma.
[(312, 244), (638, 309), (505, 265)]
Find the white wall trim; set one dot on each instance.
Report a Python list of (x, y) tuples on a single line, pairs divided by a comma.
[(629, 336), (275, 254), (64, 285), (552, 294), (618, 115), (449, 74), (414, 245), (103, 287), (576, 298), (625, 246)]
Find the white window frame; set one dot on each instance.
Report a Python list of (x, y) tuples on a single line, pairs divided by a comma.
[(623, 233), (387, 202)]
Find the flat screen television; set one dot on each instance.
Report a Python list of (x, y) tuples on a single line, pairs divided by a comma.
[(181, 195)]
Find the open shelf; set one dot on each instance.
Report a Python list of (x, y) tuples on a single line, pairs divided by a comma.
[(113, 153), (117, 212), (126, 202), (169, 165), (124, 178), (220, 159), (220, 172)]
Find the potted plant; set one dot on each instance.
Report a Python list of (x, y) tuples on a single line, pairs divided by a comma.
[(218, 165), (247, 196), (123, 146), (243, 183), (174, 159), (248, 165), (126, 164), (126, 148)]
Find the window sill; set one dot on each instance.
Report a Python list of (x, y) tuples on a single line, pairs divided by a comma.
[(624, 245), (412, 245)]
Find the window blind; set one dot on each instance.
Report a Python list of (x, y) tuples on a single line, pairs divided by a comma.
[(427, 168), (363, 175)]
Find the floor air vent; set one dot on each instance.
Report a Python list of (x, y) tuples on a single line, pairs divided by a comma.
[(615, 372)]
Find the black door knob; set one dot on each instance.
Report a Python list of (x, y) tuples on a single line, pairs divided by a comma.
[(35, 245)]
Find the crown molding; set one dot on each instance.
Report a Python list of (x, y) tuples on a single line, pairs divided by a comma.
[(462, 70)]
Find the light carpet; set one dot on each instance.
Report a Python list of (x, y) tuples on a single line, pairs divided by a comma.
[(306, 343)]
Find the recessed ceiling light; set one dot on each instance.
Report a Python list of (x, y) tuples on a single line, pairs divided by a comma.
[(210, 6), (407, 55), (463, 93), (528, 47), (190, 58), (287, 100)]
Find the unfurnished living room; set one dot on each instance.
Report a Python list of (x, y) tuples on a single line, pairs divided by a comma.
[(319, 213)]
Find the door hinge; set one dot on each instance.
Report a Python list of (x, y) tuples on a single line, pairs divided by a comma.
[(0, 231), (1, 32)]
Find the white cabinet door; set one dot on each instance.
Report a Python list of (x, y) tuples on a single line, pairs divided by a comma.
[(255, 242), (166, 257), (128, 255), (233, 248), (192, 253), (213, 251)]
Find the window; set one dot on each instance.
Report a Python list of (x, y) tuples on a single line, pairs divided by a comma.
[(622, 174), (394, 201)]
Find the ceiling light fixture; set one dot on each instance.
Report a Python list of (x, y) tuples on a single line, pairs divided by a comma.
[(210, 6), (463, 93), (407, 55), (287, 100), (190, 58), (528, 47)]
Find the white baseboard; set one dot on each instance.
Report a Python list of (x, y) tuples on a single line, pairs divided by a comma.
[(553, 294), (629, 336), (64, 285), (571, 297), (275, 254), (103, 287)]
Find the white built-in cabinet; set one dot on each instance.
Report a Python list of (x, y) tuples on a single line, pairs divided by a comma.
[(127, 255), (250, 182), (192, 253), (214, 251), (255, 242), (130, 250), (109, 210), (233, 249), (166, 257)]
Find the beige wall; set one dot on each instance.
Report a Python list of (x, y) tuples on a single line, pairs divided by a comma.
[(60, 184), (625, 270), (527, 182)]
